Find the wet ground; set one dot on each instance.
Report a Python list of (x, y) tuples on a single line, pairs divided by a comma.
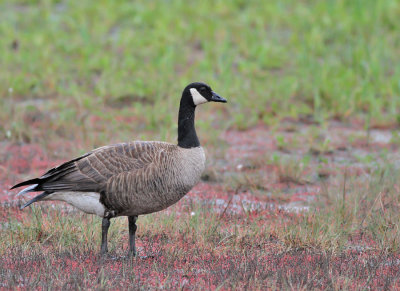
[(264, 175), (260, 168)]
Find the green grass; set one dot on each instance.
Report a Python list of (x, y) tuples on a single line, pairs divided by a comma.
[(349, 238), (79, 59), (80, 74), (351, 209)]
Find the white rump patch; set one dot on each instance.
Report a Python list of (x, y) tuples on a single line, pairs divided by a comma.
[(197, 97), (88, 202)]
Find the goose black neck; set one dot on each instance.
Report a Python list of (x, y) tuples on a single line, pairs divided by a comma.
[(187, 137)]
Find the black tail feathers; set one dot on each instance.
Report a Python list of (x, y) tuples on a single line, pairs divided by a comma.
[(28, 182), (35, 199)]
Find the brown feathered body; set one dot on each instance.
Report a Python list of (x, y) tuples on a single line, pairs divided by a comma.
[(125, 179)]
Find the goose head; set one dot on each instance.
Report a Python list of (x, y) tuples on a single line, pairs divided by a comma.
[(200, 93), (194, 94)]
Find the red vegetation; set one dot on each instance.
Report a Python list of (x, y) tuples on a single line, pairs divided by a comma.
[(189, 267), (269, 198)]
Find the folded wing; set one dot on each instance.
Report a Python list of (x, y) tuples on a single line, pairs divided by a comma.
[(90, 172)]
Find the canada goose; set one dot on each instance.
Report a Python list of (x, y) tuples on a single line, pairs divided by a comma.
[(134, 178)]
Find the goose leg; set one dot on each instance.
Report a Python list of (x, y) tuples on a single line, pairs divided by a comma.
[(105, 224), (132, 232)]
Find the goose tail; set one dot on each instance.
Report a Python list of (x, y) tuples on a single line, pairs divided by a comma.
[(31, 188), (35, 199), (25, 183)]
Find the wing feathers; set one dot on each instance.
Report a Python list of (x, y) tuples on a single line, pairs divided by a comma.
[(91, 171)]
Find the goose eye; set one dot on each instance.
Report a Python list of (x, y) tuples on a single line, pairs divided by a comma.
[(203, 89)]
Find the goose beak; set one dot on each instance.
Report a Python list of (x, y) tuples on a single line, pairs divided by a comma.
[(216, 98)]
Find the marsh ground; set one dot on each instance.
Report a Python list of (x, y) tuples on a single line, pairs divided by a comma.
[(301, 187), (269, 212)]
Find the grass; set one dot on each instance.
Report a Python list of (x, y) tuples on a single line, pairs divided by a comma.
[(346, 242), (350, 210), (301, 186), (347, 239), (83, 61)]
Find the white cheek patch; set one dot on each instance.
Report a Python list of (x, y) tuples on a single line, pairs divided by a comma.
[(197, 97)]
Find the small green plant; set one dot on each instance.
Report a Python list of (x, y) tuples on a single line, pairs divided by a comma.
[(291, 171)]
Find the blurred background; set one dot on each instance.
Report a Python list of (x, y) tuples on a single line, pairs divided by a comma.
[(105, 71)]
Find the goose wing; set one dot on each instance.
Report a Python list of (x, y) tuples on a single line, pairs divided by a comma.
[(90, 172)]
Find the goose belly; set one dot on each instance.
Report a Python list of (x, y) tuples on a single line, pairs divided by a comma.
[(88, 202), (156, 201)]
